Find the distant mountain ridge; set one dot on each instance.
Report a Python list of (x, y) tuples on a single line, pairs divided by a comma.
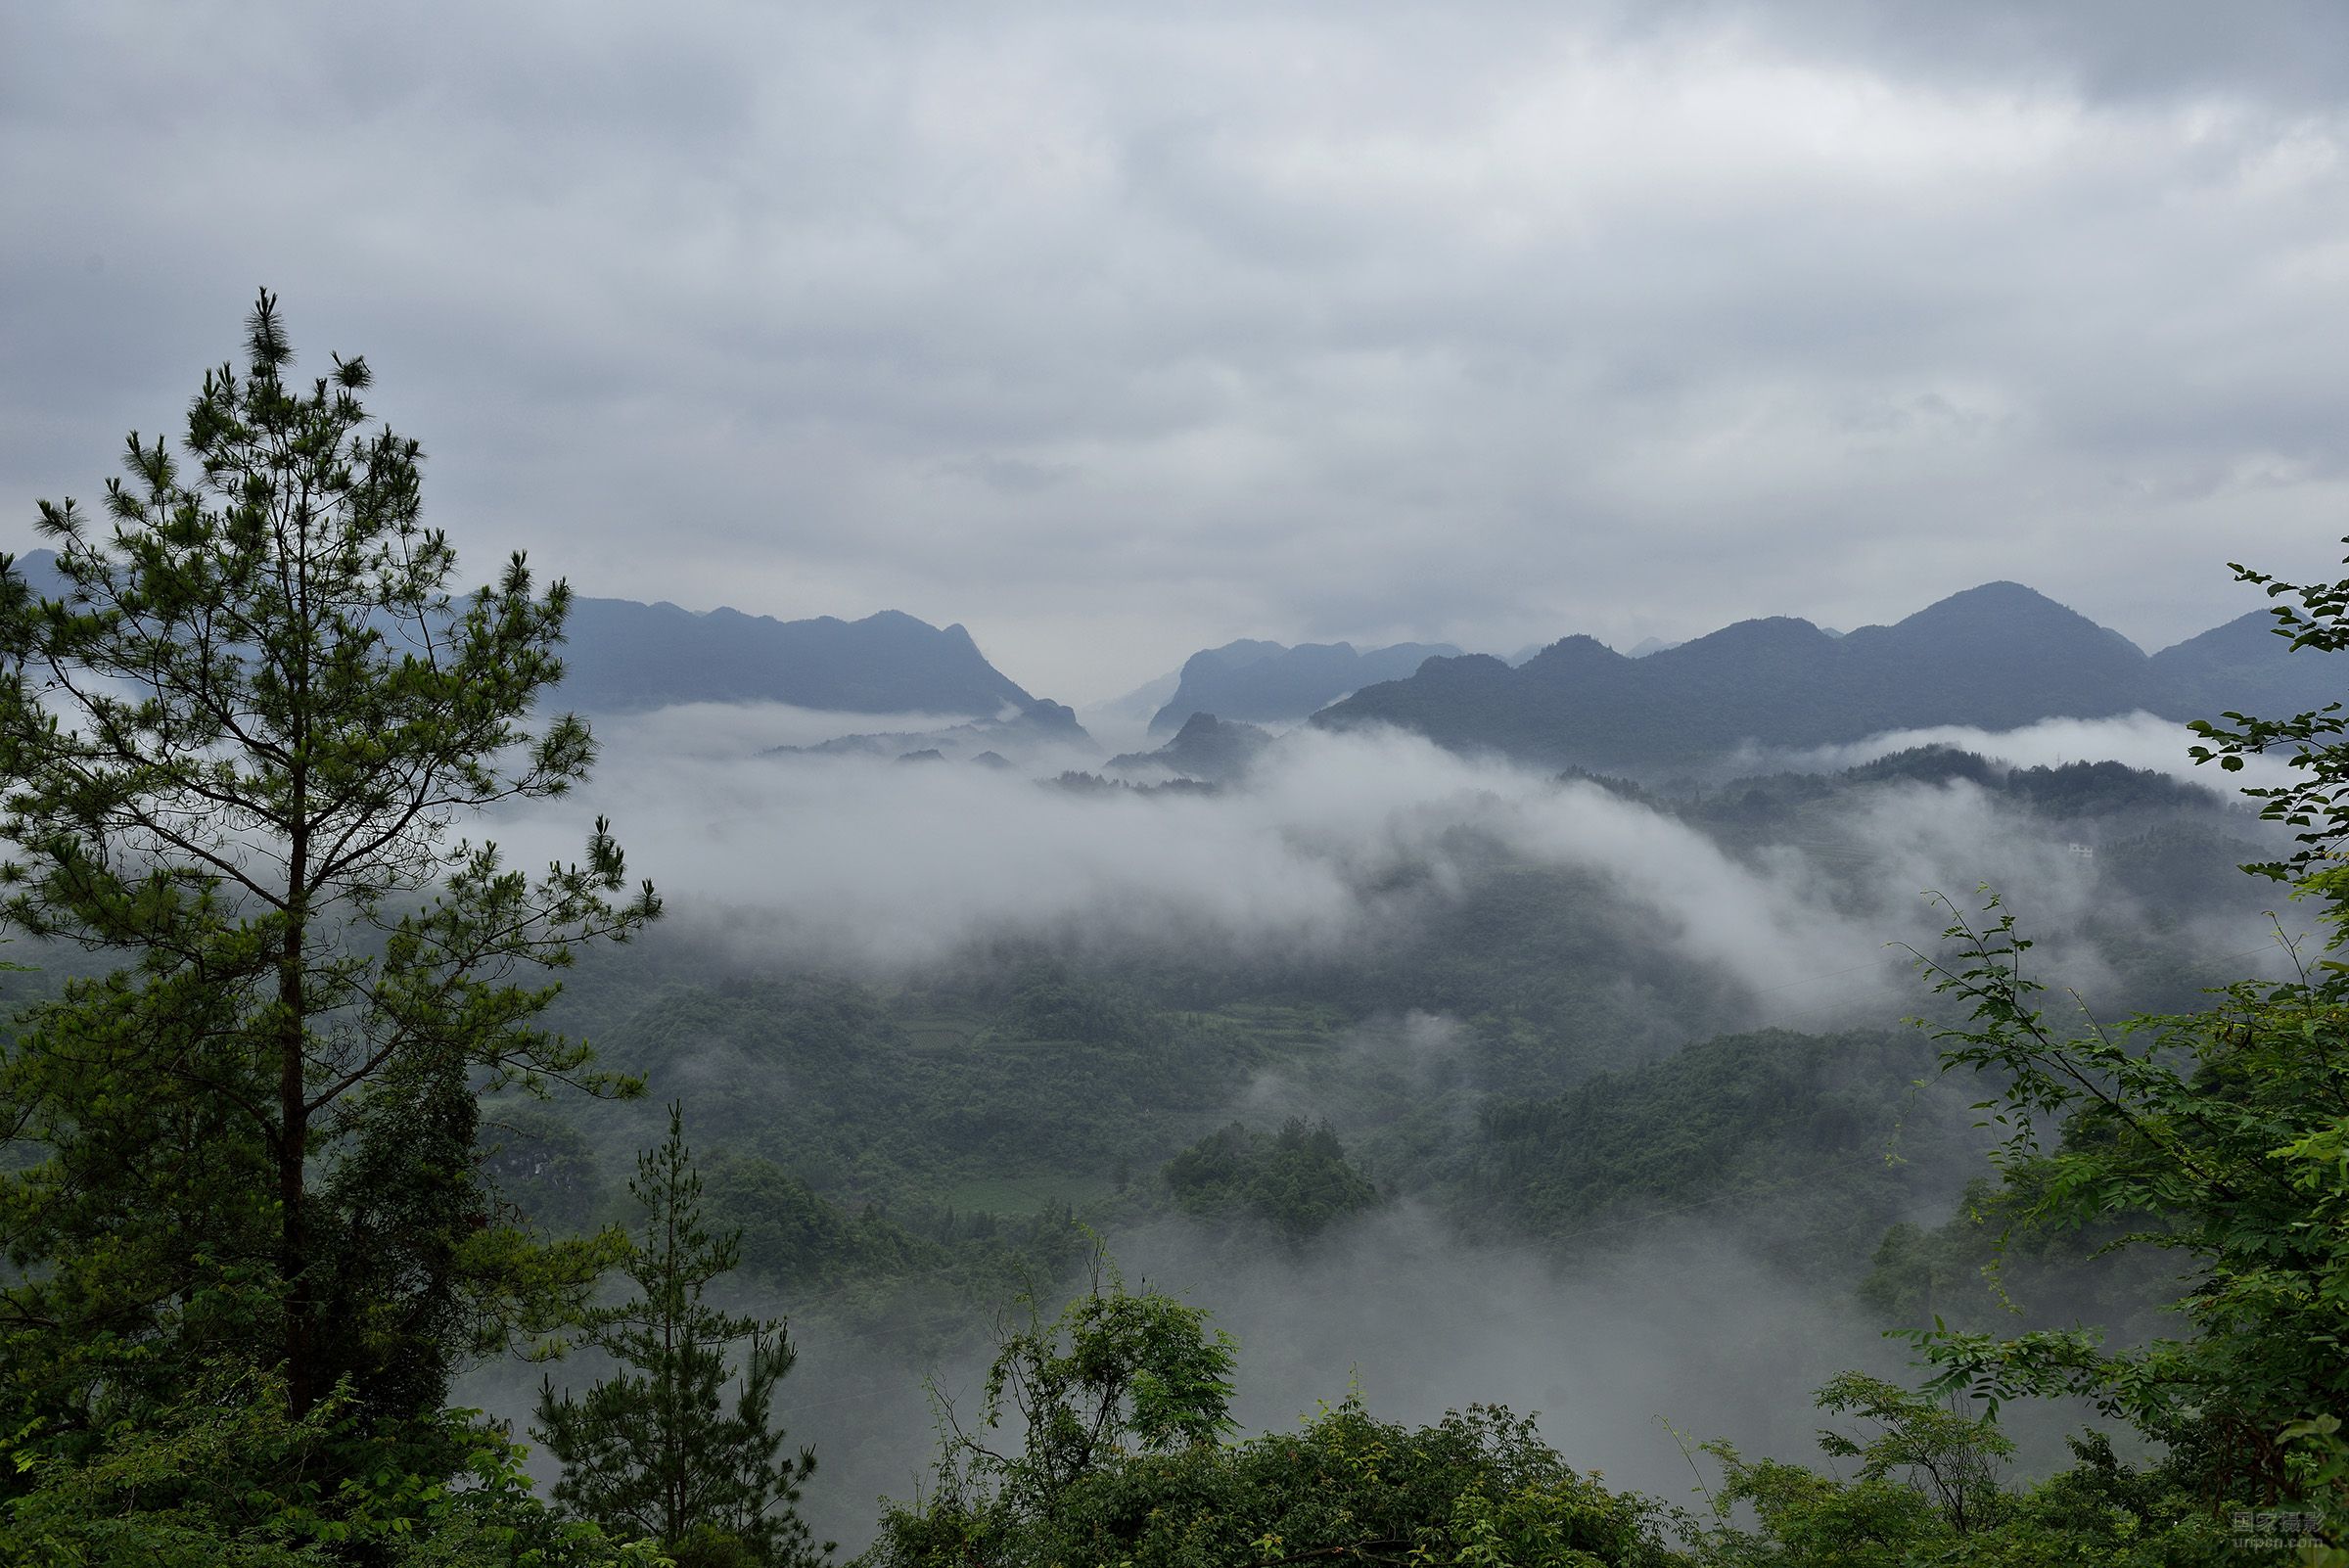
[(622, 655), (2245, 667), (1267, 682), (1997, 657)]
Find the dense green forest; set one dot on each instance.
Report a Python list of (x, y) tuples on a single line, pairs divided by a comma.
[(325, 1122)]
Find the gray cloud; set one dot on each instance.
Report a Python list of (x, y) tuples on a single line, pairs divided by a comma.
[(2288, 51), (1113, 335)]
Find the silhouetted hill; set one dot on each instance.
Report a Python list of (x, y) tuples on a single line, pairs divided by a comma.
[(2245, 667), (624, 655), (38, 569), (1997, 657), (1239, 651), (1140, 705), (1205, 748), (1266, 682)]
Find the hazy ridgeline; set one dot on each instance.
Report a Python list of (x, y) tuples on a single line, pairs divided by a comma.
[(1597, 1097)]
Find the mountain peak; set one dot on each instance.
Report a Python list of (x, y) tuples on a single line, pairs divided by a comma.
[(1763, 636), (1206, 748), (2007, 611), (2000, 598), (1197, 727), (1575, 654), (1997, 588), (1233, 655)]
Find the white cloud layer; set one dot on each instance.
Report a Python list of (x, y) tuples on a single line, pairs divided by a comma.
[(1334, 840), (2139, 740)]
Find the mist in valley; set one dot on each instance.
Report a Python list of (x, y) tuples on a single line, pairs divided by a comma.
[(1333, 840), (1348, 875)]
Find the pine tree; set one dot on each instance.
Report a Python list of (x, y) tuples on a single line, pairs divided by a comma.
[(235, 743), (659, 1452)]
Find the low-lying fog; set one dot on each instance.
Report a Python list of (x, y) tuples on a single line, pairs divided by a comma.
[(2139, 740), (1691, 1326), (879, 866)]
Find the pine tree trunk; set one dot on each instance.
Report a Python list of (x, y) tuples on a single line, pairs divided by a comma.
[(294, 1124)]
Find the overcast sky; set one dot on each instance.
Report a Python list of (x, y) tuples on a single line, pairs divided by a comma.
[(1116, 331)]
